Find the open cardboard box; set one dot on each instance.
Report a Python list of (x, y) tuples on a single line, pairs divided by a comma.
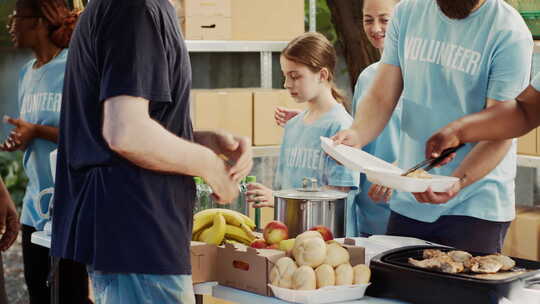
[(246, 268), (203, 262)]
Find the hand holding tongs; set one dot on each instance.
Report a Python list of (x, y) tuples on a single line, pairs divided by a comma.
[(432, 162)]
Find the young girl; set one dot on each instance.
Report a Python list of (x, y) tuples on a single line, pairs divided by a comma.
[(45, 27), (308, 64), (365, 217)]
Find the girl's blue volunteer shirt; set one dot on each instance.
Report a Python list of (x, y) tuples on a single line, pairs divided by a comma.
[(40, 96), (536, 82), (301, 154), (450, 67), (367, 216)]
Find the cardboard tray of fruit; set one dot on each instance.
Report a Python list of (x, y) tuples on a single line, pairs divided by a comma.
[(329, 294)]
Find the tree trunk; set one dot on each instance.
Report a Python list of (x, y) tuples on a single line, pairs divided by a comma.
[(358, 52)]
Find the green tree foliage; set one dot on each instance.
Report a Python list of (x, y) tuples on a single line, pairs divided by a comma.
[(324, 20), (12, 172)]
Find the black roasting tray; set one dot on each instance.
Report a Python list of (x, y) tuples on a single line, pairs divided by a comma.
[(394, 277)]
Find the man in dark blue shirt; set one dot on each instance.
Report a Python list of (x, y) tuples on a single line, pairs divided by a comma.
[(127, 151)]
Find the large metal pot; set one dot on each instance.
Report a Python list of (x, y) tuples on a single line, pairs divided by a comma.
[(301, 209)]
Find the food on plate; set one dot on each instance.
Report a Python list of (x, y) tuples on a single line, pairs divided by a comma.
[(457, 261), (325, 232), (304, 278), (362, 274), (275, 232), (420, 173), (344, 274), (326, 276), (336, 255), (309, 251), (507, 262), (485, 264), (282, 273)]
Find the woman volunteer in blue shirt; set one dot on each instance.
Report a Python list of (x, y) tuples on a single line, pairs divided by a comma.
[(364, 216), (44, 27), (441, 70), (308, 64)]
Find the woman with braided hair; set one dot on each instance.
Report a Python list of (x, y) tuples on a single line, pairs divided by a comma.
[(45, 27)]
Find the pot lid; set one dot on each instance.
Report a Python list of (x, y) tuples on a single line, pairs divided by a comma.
[(310, 191)]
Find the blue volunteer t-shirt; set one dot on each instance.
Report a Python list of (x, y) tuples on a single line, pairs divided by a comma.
[(301, 154), (536, 82), (450, 67), (367, 216), (40, 96)]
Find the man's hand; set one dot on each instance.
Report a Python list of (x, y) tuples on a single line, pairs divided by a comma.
[(224, 188), (380, 193), (260, 195), (19, 138), (436, 198), (347, 137), (283, 115), (238, 152), (9, 221), (445, 138)]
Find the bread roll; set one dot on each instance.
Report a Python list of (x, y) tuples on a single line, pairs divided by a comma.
[(344, 274), (362, 274), (304, 279), (326, 276), (310, 252), (336, 255), (281, 274)]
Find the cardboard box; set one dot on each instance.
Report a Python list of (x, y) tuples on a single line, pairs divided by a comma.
[(206, 8), (203, 262), (523, 236), (206, 27), (357, 254), (221, 109), (269, 20), (528, 143), (265, 130), (246, 268)]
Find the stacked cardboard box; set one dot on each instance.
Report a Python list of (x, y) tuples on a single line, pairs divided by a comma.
[(246, 112), (263, 20), (529, 144), (523, 237)]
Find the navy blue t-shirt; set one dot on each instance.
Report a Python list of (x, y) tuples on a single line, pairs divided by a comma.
[(109, 213)]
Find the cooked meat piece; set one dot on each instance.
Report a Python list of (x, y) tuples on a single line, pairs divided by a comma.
[(431, 253), (441, 263), (420, 173), (460, 256), (507, 262), (485, 264), (427, 263)]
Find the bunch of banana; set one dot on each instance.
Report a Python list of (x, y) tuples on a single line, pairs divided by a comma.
[(215, 226)]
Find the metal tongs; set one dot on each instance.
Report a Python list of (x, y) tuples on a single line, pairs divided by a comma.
[(432, 162)]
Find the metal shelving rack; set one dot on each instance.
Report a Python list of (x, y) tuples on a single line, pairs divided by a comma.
[(265, 48)]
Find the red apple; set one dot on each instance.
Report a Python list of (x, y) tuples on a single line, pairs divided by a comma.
[(324, 231), (275, 232), (258, 243)]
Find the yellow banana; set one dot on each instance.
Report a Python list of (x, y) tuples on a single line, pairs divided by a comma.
[(232, 217), (216, 233), (197, 236), (248, 231), (236, 233), (202, 222)]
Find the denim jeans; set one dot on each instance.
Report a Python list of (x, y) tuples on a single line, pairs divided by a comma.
[(133, 288)]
